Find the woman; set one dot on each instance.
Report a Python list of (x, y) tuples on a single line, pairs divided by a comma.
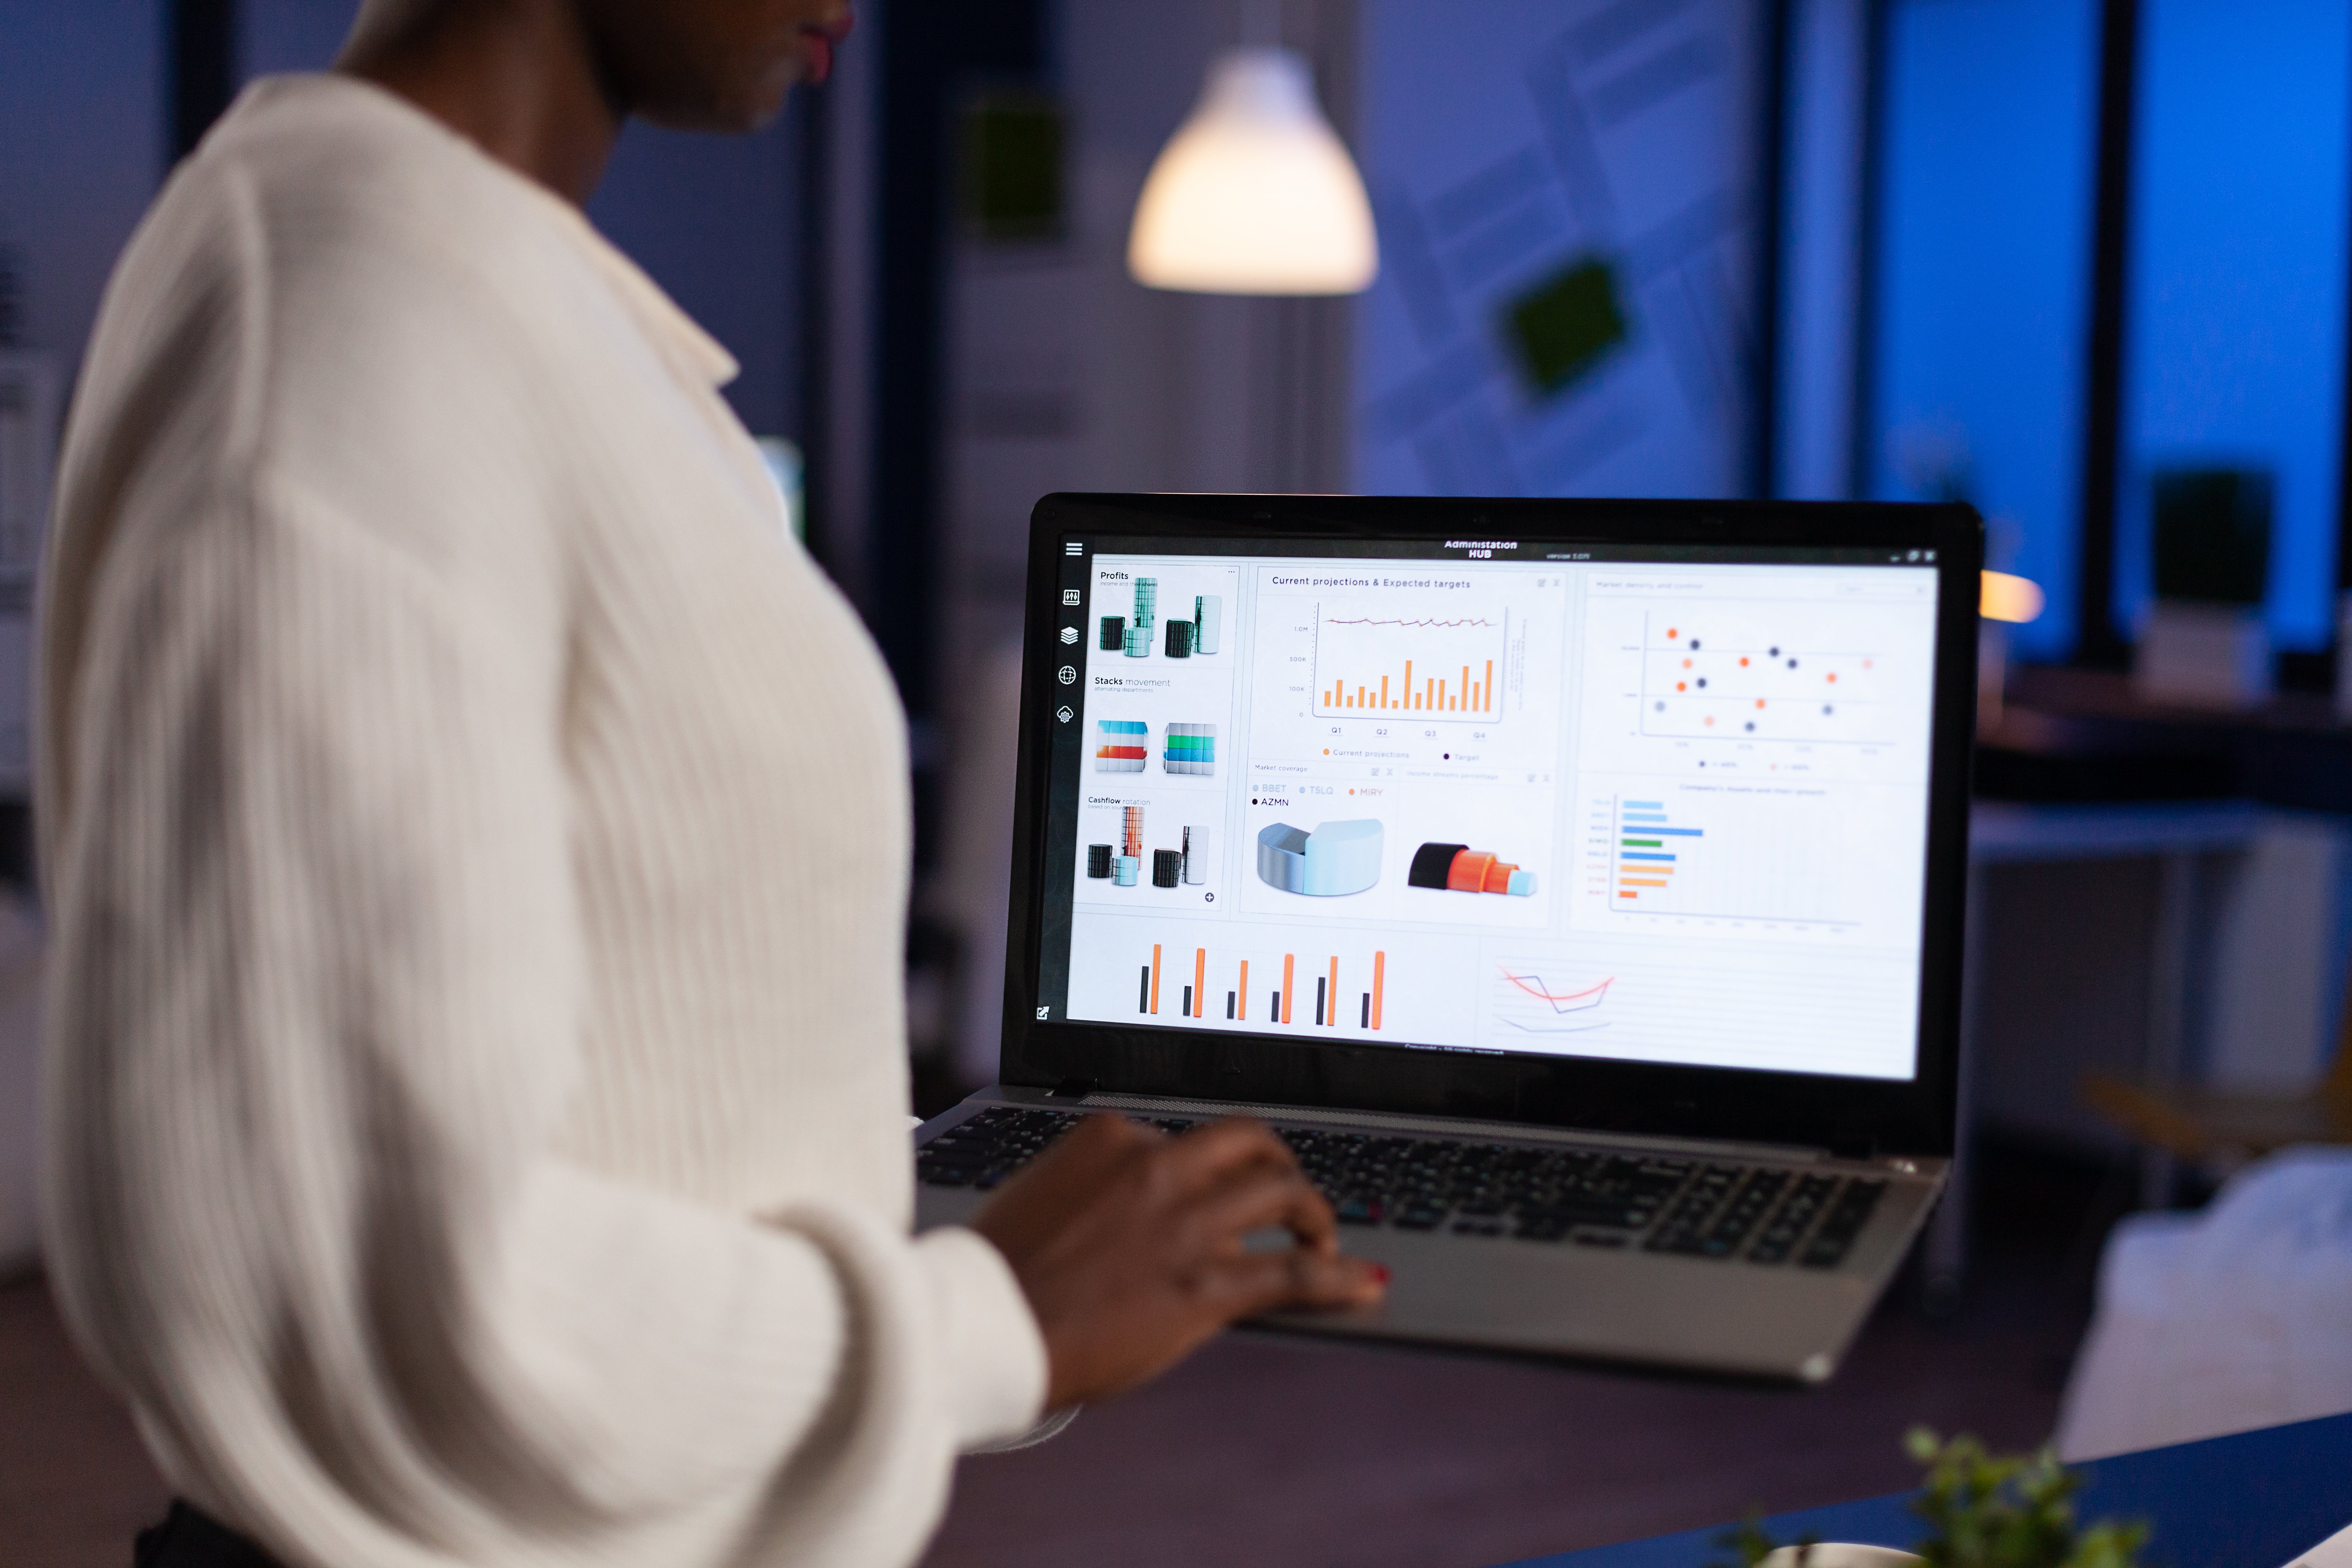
[(476, 849)]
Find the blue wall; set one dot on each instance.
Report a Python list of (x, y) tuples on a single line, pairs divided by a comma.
[(1986, 182), (2234, 332), (82, 151), (1499, 155)]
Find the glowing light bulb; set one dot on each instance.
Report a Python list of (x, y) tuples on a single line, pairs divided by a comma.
[(2005, 598), (1255, 194)]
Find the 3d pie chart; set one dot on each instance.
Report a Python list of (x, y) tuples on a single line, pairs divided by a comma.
[(1337, 859)]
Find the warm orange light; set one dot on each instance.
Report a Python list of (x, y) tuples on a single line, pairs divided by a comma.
[(2005, 598)]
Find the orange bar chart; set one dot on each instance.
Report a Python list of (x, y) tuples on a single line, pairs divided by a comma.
[(1451, 695), (1326, 1008)]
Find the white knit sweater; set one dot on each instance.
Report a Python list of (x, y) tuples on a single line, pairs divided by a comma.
[(477, 845)]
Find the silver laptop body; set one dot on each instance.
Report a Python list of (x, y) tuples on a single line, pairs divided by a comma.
[(1576, 884)]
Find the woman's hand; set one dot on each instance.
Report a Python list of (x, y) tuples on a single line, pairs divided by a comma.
[(1129, 1246)]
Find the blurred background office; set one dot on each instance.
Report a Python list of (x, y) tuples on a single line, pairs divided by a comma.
[(2084, 263)]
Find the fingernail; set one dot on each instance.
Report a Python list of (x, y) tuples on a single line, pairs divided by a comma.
[(1381, 1272)]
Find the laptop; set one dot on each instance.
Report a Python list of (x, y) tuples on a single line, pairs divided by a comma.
[(1575, 885)]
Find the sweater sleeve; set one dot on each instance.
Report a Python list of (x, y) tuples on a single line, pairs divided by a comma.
[(316, 981)]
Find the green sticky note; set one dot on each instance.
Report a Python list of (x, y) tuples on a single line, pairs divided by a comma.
[(1565, 325)]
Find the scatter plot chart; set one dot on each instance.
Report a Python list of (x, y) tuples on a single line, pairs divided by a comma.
[(1757, 672)]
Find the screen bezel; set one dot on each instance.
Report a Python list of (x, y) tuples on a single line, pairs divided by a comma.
[(1911, 1117)]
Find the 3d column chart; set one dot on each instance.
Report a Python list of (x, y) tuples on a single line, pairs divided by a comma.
[(1136, 637), (1124, 747), (1189, 749), (1135, 634), (1188, 864), (1208, 623), (1329, 1009), (1196, 856), (1128, 863)]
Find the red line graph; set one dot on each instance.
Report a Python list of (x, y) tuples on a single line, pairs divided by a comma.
[(1368, 622), (1561, 1001)]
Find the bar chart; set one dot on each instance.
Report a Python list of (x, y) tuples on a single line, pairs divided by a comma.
[(1168, 987), (1774, 854), (1651, 845), (1372, 659)]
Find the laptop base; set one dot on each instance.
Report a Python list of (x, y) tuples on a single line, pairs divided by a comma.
[(1718, 1315)]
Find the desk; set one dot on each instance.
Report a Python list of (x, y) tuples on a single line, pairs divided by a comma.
[(2253, 1501), (2174, 833), (2080, 735)]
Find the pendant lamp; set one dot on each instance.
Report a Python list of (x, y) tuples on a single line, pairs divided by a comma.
[(1255, 194)]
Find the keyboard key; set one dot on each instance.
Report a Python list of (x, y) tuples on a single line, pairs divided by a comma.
[(1844, 1222)]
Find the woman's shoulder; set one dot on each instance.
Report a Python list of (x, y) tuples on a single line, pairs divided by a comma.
[(340, 184)]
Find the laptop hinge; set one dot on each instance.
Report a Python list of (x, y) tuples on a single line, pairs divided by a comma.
[(1071, 1088), (1853, 1146)]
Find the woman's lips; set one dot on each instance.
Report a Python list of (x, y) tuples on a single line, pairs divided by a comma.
[(820, 40)]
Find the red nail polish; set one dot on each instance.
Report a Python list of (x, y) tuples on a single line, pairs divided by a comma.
[(1381, 1272)]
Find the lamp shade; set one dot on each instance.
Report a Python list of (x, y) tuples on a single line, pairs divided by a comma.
[(1255, 194)]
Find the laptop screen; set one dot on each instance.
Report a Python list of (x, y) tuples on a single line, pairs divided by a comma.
[(1664, 805)]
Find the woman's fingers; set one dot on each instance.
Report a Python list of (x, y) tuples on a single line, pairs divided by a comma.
[(1132, 1246), (1258, 1282), (1262, 1199), (1206, 1156)]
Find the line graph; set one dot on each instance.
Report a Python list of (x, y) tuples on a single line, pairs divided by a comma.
[(1528, 1002)]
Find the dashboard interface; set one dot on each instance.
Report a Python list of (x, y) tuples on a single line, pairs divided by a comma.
[(1661, 806)]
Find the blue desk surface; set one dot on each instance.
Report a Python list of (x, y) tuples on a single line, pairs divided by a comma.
[(2253, 1501)]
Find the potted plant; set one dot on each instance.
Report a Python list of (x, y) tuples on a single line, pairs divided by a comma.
[(1981, 1510)]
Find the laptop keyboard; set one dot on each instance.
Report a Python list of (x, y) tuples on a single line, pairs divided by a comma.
[(1696, 1208)]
